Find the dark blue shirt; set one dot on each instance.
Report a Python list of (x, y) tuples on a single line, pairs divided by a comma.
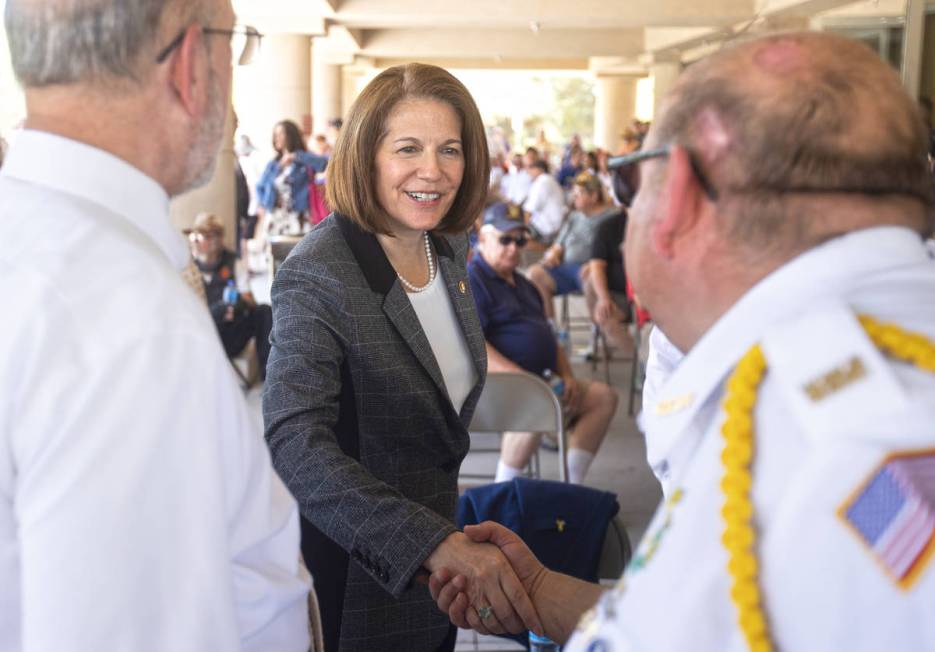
[(512, 318)]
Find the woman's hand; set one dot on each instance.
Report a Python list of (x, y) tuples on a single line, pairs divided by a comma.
[(449, 590), (488, 581)]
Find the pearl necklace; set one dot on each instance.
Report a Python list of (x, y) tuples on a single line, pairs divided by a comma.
[(428, 256)]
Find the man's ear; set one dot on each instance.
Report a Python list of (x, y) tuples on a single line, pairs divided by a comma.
[(682, 199), (185, 77)]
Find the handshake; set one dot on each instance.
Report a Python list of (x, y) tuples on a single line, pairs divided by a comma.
[(488, 580)]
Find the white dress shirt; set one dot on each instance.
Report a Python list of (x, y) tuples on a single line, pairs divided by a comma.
[(546, 205), (138, 506), (515, 186), (827, 573)]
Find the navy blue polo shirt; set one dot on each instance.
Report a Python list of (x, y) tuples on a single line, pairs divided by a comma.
[(512, 318)]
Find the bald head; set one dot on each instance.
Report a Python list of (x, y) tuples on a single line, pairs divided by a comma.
[(781, 122)]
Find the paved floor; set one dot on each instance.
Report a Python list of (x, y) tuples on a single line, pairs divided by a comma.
[(620, 465)]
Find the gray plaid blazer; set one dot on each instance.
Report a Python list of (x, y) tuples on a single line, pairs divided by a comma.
[(362, 431)]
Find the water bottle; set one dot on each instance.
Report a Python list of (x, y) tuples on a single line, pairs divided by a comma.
[(542, 644), (231, 294), (555, 382), (564, 341)]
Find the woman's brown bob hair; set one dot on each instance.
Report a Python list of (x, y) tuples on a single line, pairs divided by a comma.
[(351, 188)]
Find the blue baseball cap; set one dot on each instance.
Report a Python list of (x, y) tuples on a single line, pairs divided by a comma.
[(504, 217)]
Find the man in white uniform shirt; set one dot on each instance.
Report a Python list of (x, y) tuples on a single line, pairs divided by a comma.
[(514, 187), (777, 239), (138, 506), (545, 203)]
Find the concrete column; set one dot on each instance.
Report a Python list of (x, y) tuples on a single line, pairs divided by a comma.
[(927, 85), (913, 39), (354, 78), (218, 196), (664, 74), (614, 109), (326, 92), (275, 87)]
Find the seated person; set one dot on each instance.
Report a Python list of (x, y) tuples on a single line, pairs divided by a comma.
[(236, 322), (559, 271), (605, 282), (571, 168), (545, 203), (519, 338)]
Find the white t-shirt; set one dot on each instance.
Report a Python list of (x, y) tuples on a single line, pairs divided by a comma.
[(546, 205), (139, 509), (440, 323)]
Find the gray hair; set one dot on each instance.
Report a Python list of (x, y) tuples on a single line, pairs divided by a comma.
[(69, 41)]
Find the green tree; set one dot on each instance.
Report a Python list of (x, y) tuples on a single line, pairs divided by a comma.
[(573, 107)]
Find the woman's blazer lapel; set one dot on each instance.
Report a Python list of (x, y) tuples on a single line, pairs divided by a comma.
[(398, 309)]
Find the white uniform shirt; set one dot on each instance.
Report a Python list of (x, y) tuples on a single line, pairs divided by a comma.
[(664, 357), (515, 186), (138, 506), (546, 205), (825, 522)]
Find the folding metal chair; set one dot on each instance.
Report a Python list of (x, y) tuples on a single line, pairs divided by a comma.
[(520, 402), (279, 247)]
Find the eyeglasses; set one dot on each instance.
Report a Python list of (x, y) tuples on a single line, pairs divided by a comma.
[(245, 41), (619, 162), (519, 240)]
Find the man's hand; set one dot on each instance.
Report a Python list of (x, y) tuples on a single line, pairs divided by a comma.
[(605, 310), (248, 299), (486, 579), (571, 398), (551, 258), (449, 589)]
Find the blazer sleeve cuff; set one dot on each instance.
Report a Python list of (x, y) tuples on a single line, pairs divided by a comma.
[(411, 546)]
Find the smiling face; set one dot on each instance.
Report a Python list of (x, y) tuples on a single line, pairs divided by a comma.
[(419, 165), (502, 258)]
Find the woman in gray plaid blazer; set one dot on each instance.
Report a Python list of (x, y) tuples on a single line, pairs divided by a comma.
[(377, 363)]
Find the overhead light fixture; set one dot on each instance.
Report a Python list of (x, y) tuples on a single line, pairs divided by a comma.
[(534, 26)]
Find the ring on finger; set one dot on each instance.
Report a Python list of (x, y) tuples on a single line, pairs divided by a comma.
[(485, 612)]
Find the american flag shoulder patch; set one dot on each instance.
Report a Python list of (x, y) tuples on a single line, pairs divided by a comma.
[(893, 514)]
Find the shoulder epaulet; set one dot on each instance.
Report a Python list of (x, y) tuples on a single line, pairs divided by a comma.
[(833, 377)]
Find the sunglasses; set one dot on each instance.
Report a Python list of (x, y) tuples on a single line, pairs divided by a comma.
[(519, 240)]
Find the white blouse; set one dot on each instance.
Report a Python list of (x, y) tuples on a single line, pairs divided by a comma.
[(437, 314)]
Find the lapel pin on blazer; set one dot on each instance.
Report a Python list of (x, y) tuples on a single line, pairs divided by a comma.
[(462, 287)]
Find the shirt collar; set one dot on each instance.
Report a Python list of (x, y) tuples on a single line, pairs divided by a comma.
[(826, 271), (489, 272), (78, 169)]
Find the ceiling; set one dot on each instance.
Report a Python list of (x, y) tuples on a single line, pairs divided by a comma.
[(601, 35)]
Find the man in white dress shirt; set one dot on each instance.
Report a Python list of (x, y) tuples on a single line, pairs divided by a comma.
[(545, 203), (777, 239), (138, 506)]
